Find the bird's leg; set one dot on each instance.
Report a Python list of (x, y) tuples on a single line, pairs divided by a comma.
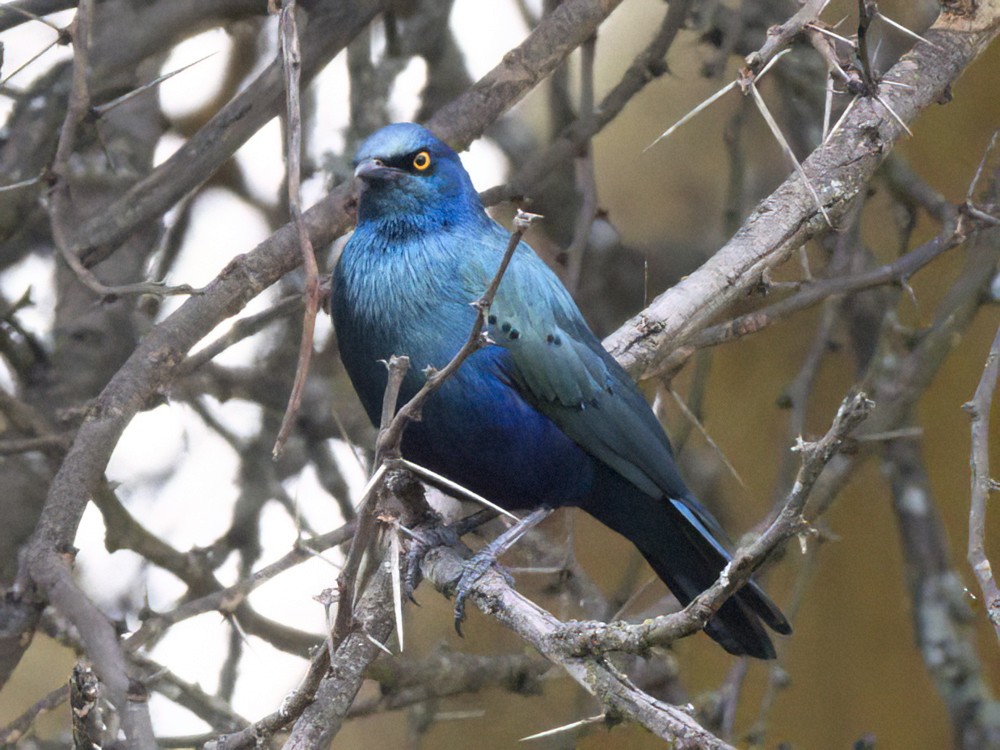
[(480, 562), (426, 538)]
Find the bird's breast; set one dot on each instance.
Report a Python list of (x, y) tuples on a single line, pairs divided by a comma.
[(395, 299)]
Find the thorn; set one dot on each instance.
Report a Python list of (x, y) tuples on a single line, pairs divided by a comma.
[(900, 27), (23, 183), (690, 115), (693, 418), (564, 728), (100, 109), (397, 584), (371, 485), (24, 65), (454, 486), (780, 137), (524, 219), (380, 645), (840, 121), (831, 34), (892, 112)]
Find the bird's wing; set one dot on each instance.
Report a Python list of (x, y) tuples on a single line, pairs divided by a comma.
[(560, 368)]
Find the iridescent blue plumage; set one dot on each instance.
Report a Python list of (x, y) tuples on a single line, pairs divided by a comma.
[(544, 416)]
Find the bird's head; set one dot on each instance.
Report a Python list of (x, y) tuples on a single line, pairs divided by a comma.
[(408, 175)]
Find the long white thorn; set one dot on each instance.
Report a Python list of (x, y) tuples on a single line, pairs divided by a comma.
[(690, 115), (771, 62), (895, 117), (378, 644), (455, 487), (840, 120), (564, 728), (713, 98), (397, 584), (780, 137), (372, 481), (908, 32), (832, 34), (827, 108)]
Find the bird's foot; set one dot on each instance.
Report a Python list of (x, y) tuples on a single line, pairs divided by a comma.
[(474, 569), (422, 541), (426, 537), (476, 566)]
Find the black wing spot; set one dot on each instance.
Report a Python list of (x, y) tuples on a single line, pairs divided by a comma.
[(492, 320), (515, 334), (505, 327)]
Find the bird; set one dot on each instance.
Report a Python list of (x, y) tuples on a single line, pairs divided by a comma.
[(542, 416)]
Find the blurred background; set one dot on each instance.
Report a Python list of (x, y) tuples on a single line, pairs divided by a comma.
[(194, 470)]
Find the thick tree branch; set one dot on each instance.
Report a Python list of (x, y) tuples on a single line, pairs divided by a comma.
[(942, 618), (329, 29), (620, 698), (983, 484), (841, 168)]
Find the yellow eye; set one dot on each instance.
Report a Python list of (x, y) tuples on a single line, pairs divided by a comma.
[(421, 161)]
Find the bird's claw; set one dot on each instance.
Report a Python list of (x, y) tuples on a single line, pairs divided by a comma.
[(474, 569), (423, 541)]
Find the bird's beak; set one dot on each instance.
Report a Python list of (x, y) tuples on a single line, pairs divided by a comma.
[(374, 169)]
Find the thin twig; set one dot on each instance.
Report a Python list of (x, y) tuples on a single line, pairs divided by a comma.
[(866, 11), (647, 66), (586, 183), (897, 271), (241, 329), (58, 443), (354, 577), (228, 599), (581, 639), (779, 38), (694, 420), (61, 211), (982, 165), (19, 727), (292, 59)]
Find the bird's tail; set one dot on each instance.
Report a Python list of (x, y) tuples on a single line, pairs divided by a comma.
[(681, 542)]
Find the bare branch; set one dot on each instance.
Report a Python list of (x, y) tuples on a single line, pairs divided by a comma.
[(620, 697), (983, 484), (788, 218), (898, 271), (292, 65), (598, 638)]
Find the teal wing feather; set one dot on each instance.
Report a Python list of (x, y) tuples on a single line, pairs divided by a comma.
[(561, 369)]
